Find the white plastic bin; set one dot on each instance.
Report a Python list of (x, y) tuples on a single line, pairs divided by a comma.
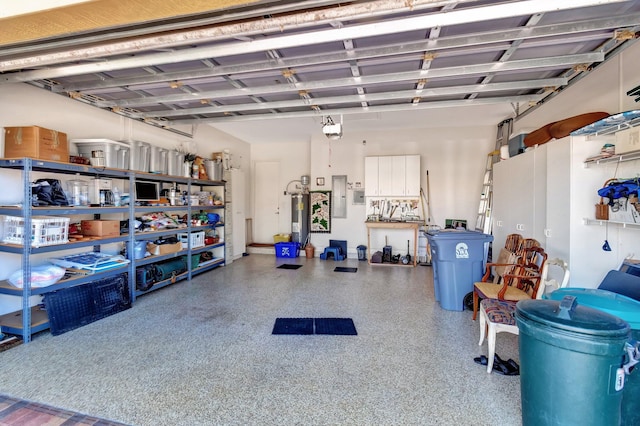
[(140, 155), (158, 160), (45, 230), (175, 161), (197, 239), (116, 154)]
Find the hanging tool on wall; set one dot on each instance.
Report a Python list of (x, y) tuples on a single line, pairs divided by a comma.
[(426, 199)]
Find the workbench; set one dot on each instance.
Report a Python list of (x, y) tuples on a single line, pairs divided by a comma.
[(394, 225)]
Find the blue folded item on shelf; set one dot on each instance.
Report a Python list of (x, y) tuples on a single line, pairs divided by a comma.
[(91, 261)]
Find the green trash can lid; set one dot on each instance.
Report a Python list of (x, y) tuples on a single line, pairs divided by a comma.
[(612, 303), (568, 315)]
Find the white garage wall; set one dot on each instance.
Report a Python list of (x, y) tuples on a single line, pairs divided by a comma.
[(25, 105), (454, 157)]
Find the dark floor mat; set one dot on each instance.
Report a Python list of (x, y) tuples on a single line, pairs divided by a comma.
[(289, 266), (293, 326), (344, 269), (336, 326)]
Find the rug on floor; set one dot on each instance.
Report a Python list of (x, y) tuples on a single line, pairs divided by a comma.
[(14, 411), (293, 326), (325, 326), (9, 342), (289, 266), (345, 269), (336, 326)]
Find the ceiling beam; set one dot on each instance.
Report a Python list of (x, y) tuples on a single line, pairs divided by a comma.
[(463, 70), (506, 55), (360, 110), (407, 95), (394, 26), (459, 45), (265, 11)]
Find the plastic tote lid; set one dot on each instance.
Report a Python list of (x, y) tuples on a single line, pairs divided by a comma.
[(569, 316), (458, 234), (612, 303)]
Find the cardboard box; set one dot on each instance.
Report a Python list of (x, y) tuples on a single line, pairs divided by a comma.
[(101, 228), (161, 249), (36, 142)]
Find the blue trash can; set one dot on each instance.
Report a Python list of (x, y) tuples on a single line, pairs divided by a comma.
[(628, 310), (362, 252), (459, 259)]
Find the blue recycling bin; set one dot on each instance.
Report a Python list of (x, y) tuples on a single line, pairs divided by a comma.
[(459, 258), (628, 310)]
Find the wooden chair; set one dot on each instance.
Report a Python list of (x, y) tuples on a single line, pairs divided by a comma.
[(506, 258), (520, 282), (526, 244), (513, 242)]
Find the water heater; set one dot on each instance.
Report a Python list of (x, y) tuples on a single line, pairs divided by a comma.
[(299, 217)]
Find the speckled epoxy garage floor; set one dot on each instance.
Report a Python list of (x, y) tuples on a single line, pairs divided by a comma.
[(202, 353)]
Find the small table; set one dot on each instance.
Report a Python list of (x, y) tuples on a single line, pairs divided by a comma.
[(394, 225)]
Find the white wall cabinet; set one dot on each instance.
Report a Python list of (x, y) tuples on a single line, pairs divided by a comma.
[(392, 176), (519, 194), (371, 177), (412, 176)]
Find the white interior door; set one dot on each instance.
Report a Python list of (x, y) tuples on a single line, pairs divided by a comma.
[(266, 199)]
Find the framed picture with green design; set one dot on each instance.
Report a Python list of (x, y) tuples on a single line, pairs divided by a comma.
[(320, 209)]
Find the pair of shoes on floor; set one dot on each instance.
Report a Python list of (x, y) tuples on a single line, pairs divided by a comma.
[(507, 368)]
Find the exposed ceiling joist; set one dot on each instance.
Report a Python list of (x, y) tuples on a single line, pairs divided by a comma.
[(406, 95), (380, 108), (433, 73), (329, 57), (393, 26)]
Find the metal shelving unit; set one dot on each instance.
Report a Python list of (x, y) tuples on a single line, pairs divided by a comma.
[(616, 158), (30, 319), (616, 123)]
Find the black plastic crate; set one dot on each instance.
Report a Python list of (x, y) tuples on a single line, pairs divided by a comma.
[(74, 307)]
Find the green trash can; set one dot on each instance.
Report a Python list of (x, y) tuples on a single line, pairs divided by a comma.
[(628, 310), (570, 363)]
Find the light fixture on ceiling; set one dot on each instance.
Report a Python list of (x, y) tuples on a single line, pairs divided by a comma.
[(331, 129)]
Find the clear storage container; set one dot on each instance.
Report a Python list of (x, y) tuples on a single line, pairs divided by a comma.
[(78, 192)]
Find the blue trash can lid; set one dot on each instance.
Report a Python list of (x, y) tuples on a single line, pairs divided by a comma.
[(568, 315), (612, 303), (458, 234)]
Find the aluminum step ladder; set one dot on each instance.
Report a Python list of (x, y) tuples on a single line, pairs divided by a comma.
[(483, 220)]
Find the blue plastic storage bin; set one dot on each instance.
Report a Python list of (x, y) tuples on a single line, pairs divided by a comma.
[(459, 259), (290, 249)]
